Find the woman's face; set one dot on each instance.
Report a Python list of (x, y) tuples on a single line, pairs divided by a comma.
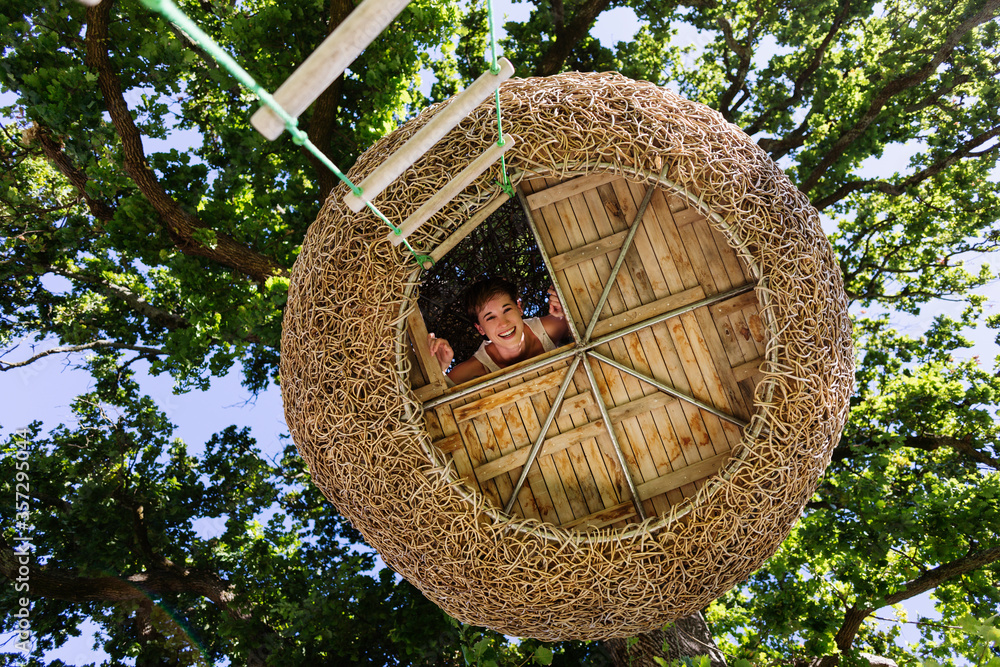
[(501, 320)]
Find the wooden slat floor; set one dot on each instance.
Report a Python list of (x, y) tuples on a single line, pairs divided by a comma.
[(669, 445)]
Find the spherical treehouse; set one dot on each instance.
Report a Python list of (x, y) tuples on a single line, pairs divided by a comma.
[(633, 475)]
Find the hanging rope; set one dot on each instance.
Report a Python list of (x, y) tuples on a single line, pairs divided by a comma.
[(504, 184), (173, 13)]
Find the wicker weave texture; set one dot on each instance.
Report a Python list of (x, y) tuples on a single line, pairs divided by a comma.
[(353, 417)]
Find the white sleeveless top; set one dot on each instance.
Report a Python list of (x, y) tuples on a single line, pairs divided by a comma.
[(536, 327)]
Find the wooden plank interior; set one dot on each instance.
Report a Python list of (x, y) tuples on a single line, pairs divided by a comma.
[(430, 369), (711, 353)]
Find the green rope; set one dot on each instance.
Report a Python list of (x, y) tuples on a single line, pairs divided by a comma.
[(505, 184), (172, 13)]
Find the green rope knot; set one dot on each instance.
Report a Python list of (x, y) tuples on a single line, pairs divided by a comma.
[(507, 187)]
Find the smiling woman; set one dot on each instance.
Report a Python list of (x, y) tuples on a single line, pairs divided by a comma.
[(494, 306), (632, 475)]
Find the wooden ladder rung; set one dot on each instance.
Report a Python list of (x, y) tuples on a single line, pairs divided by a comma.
[(459, 108), (327, 62), (452, 188)]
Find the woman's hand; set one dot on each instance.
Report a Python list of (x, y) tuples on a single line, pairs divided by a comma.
[(555, 306), (441, 350)]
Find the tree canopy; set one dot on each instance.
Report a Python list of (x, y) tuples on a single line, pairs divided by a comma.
[(149, 230)]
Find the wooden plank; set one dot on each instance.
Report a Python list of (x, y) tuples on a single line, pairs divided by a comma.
[(510, 395), (718, 395), (676, 428), (673, 480), (648, 256), (722, 364), (599, 247), (549, 446), (727, 334), (623, 388), (556, 471), (668, 228), (480, 441), (702, 271), (447, 427), (553, 233), (427, 392), (563, 440), (735, 267), (699, 445), (744, 336), (327, 62), (587, 458), (674, 457), (649, 310), (747, 370), (757, 331), (566, 189), (593, 222), (604, 517), (417, 377), (510, 371), (550, 501), (706, 239), (606, 213), (428, 364), (643, 263), (663, 252), (738, 302), (574, 405)]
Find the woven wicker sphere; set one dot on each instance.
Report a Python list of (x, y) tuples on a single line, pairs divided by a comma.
[(354, 418)]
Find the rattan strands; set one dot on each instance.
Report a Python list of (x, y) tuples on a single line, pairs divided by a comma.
[(345, 386)]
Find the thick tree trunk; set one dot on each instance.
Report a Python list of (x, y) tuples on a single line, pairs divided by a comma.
[(182, 227), (688, 637), (323, 122)]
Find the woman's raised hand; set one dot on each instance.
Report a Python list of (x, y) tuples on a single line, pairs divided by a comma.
[(441, 350), (555, 306)]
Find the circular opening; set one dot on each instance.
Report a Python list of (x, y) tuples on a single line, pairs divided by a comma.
[(671, 359)]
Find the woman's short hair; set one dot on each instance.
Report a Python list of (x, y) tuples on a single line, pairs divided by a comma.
[(480, 292)]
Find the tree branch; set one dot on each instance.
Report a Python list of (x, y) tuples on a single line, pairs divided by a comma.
[(929, 443), (155, 315), (105, 343), (65, 585), (324, 115), (896, 86), (798, 90), (930, 579), (745, 55), (895, 189), (568, 36), (53, 151), (179, 224)]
